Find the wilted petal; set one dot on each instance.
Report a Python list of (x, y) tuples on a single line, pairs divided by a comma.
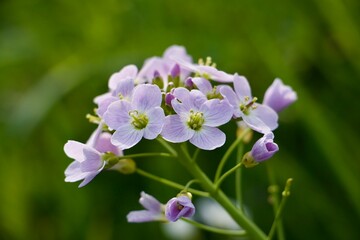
[(216, 112), (146, 96), (208, 138), (127, 72), (117, 114), (156, 121), (242, 87), (126, 136), (174, 130)]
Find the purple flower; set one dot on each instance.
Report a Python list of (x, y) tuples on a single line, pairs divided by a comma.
[(196, 120), (264, 148), (260, 118), (179, 207), (153, 212), (121, 85), (142, 117), (88, 157), (279, 96)]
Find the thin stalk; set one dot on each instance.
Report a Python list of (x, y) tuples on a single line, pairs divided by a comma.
[(170, 183), (167, 146), (238, 175), (239, 233), (140, 155), (228, 153), (253, 231), (225, 175)]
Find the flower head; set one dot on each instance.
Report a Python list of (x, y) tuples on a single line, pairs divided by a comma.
[(153, 212), (196, 120), (259, 117), (142, 117), (178, 207), (279, 96)]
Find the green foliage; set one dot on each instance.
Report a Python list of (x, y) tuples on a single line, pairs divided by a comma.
[(55, 56)]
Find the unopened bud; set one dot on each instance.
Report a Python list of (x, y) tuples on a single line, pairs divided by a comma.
[(125, 166), (248, 160)]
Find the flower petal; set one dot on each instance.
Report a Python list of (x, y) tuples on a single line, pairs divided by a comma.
[(125, 88), (228, 93), (92, 161), (216, 112), (129, 71), (150, 203), (74, 150), (126, 136), (88, 178), (202, 84), (143, 216), (267, 115), (208, 138), (156, 121), (242, 87), (117, 114), (174, 130), (215, 74), (146, 96)]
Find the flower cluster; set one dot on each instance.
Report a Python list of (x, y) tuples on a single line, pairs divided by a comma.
[(177, 100)]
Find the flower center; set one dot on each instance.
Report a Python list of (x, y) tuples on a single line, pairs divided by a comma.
[(139, 120), (247, 106), (196, 120)]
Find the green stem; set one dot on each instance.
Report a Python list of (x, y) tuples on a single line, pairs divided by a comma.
[(139, 155), (197, 151), (239, 233), (225, 175), (167, 146), (171, 183), (238, 173), (228, 153), (285, 196), (253, 231)]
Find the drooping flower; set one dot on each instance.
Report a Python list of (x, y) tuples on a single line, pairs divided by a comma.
[(121, 85), (88, 158), (178, 207), (258, 117), (263, 149), (154, 210), (196, 120), (142, 117), (279, 96)]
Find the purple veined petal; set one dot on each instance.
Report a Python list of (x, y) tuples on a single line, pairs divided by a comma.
[(145, 97), (208, 138), (202, 84), (102, 97), (150, 66), (73, 169), (92, 161), (189, 209), (267, 115), (256, 123), (182, 95), (215, 74), (149, 202), (76, 176), (74, 150), (88, 178), (242, 87), (126, 136), (156, 121), (228, 93), (117, 114), (103, 144), (173, 212), (216, 112), (103, 105), (125, 88), (174, 130), (129, 71), (264, 148), (197, 98), (143, 216)]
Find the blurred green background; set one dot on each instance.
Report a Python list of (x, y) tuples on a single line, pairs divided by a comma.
[(56, 55)]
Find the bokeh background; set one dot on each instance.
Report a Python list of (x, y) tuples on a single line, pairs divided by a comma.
[(56, 55)]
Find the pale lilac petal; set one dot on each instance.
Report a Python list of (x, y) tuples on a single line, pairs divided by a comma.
[(146, 96), (264, 148), (103, 144), (92, 161), (182, 95), (197, 98), (173, 212), (143, 216), (216, 112), (117, 114), (256, 123), (242, 87), (125, 88), (149, 202), (129, 71), (279, 96), (215, 74), (74, 150), (73, 169), (178, 52), (91, 142), (76, 176), (174, 130), (267, 115), (202, 84), (208, 138), (229, 94), (126, 136), (88, 178), (104, 104), (102, 97), (156, 118), (150, 66)]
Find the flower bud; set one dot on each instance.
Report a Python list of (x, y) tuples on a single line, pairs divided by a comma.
[(175, 71), (125, 166), (279, 96), (179, 207)]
